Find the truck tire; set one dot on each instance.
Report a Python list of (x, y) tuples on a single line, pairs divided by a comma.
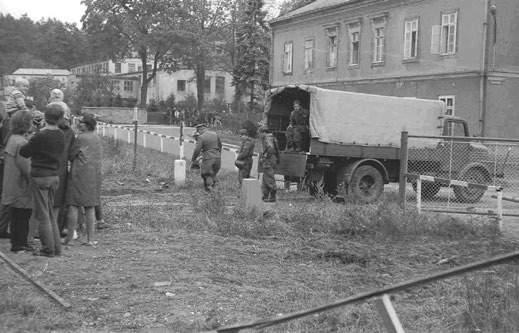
[(468, 194), (429, 190), (366, 184)]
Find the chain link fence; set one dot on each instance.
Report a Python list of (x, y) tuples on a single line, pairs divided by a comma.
[(463, 174)]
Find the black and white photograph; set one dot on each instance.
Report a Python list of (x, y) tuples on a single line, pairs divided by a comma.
[(270, 166)]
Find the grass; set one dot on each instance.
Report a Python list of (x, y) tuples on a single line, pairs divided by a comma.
[(246, 265)]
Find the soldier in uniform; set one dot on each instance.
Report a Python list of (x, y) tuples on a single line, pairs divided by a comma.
[(297, 130), (269, 158), (210, 146), (244, 158)]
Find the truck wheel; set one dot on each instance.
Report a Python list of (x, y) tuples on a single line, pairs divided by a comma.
[(367, 184), (471, 194), (429, 190)]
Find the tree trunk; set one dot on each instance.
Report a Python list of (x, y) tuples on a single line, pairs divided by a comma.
[(144, 81), (200, 83)]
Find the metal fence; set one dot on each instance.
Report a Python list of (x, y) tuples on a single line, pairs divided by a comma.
[(462, 174)]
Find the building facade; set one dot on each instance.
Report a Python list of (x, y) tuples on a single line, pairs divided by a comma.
[(126, 76), (64, 76), (463, 52)]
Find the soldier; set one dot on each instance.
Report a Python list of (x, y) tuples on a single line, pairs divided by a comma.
[(269, 159), (244, 158), (210, 146), (297, 130)]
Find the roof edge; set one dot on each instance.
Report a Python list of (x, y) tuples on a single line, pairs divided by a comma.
[(281, 19)]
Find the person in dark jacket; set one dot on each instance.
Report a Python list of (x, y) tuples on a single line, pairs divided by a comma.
[(210, 147), (297, 130), (244, 157), (45, 149), (269, 158)]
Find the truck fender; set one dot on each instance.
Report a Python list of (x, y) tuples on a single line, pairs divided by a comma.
[(349, 169)]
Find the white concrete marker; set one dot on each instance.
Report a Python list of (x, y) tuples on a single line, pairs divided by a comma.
[(251, 193), (179, 174)]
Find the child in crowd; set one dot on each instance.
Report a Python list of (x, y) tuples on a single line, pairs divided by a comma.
[(45, 149), (16, 189), (84, 187)]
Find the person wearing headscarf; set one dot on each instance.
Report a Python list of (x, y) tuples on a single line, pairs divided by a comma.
[(84, 186)]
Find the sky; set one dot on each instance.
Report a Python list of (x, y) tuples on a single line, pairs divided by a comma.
[(64, 10)]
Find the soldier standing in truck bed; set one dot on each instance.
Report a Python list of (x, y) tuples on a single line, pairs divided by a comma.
[(297, 130), (210, 146)]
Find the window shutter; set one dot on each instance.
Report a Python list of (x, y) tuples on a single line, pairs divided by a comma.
[(435, 39)]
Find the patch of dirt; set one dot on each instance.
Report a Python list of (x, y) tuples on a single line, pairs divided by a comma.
[(181, 281)]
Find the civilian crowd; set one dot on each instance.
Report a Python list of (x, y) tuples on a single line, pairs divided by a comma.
[(51, 174)]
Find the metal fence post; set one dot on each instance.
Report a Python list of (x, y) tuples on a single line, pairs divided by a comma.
[(419, 194), (181, 141), (404, 157), (499, 209), (135, 133)]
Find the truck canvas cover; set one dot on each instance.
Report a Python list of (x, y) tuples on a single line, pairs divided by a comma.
[(363, 119)]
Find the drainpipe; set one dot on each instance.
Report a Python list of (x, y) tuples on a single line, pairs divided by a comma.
[(483, 73)]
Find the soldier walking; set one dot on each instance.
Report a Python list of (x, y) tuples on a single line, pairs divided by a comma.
[(244, 158), (210, 146), (269, 159)]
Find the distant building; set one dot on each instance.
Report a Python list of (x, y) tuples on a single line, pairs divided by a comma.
[(62, 75), (464, 52), (126, 77)]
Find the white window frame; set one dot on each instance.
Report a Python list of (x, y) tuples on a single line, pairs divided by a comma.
[(354, 33), (411, 35), (128, 85), (449, 110), (378, 25), (332, 52), (309, 54), (288, 53), (448, 33)]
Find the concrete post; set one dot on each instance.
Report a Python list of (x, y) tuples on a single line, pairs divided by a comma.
[(179, 172), (251, 194)]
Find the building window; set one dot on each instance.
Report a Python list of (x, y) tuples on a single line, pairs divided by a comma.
[(309, 54), (131, 68), (331, 58), (220, 86), (181, 85), (118, 67), (450, 104), (128, 85), (354, 33), (411, 39), (207, 84), (379, 26), (448, 33), (218, 48), (287, 58), (149, 68)]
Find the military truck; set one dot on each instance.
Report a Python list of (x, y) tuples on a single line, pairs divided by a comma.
[(353, 144)]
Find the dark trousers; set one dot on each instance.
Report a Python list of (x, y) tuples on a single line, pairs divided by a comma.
[(43, 218), (268, 185), (19, 226), (244, 172), (4, 210), (209, 169), (98, 212)]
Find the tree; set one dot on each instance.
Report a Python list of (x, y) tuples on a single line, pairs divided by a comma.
[(205, 24), (253, 45), (289, 5), (92, 90), (40, 90), (150, 28)]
